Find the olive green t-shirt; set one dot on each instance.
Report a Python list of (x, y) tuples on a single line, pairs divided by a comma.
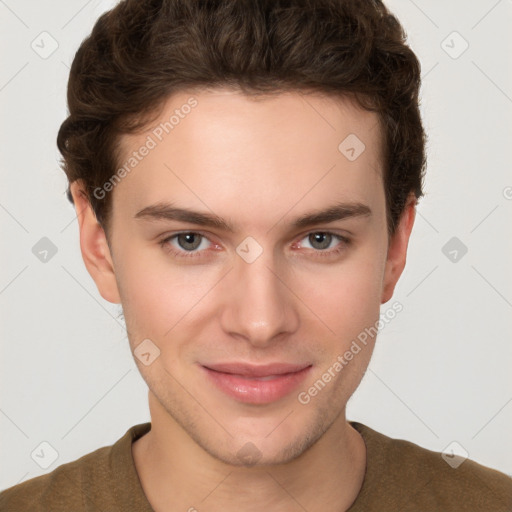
[(400, 476)]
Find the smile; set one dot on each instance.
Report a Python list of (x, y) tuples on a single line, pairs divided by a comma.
[(256, 384)]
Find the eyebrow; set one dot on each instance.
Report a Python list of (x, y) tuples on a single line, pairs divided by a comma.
[(166, 211)]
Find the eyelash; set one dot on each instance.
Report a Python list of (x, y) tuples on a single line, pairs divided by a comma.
[(344, 242)]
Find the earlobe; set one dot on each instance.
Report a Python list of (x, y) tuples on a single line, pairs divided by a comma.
[(94, 247), (397, 250)]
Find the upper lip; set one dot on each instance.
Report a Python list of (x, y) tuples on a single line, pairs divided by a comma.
[(250, 370)]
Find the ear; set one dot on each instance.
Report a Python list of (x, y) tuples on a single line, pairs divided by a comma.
[(397, 249), (94, 246)]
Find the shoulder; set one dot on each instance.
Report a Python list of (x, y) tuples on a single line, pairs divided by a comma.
[(420, 478), (453, 480), (100, 480), (64, 485)]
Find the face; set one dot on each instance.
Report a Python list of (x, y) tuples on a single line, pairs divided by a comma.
[(249, 250)]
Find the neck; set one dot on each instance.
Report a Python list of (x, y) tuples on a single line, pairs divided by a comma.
[(177, 474)]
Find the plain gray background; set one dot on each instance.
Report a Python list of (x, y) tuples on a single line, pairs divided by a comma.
[(441, 369)]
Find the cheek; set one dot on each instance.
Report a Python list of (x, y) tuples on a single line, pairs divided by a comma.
[(157, 296), (144, 293), (346, 296)]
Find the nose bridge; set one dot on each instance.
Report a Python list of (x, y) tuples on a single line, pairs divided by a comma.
[(259, 307)]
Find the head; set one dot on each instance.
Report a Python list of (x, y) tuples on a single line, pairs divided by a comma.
[(285, 138)]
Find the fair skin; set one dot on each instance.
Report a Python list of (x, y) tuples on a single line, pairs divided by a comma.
[(259, 165)]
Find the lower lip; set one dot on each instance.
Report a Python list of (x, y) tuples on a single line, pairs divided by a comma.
[(253, 391)]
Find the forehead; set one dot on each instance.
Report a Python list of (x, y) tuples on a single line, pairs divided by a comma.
[(221, 148)]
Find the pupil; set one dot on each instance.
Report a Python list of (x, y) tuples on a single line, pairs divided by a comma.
[(320, 240)]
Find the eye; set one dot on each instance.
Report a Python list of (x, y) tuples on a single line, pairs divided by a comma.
[(324, 242), (187, 242), (320, 240)]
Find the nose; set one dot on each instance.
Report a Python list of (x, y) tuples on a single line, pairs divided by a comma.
[(259, 307)]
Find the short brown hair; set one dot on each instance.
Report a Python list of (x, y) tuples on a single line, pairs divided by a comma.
[(142, 51)]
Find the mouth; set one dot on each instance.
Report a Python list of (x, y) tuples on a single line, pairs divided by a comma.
[(256, 384)]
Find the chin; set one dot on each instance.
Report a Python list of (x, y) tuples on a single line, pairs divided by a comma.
[(263, 447)]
